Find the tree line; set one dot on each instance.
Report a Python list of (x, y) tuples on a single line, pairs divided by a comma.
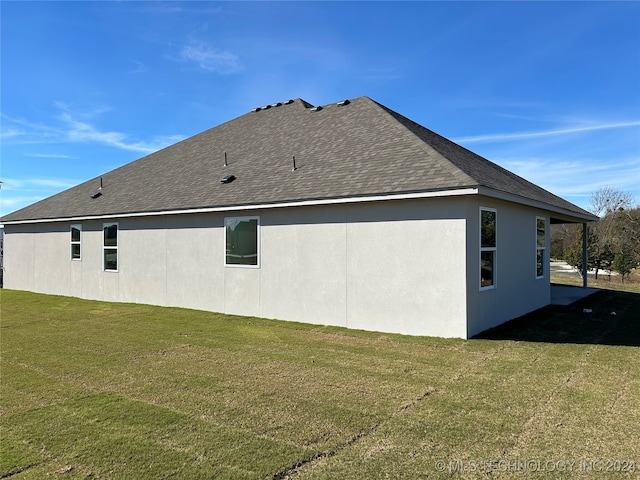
[(613, 243)]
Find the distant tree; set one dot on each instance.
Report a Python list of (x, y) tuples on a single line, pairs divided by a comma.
[(609, 204), (629, 229), (613, 243), (573, 254), (625, 261), (605, 258), (626, 247), (607, 200), (563, 235)]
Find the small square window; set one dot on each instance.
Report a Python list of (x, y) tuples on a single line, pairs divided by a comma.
[(487, 268), (110, 259), (540, 263), (242, 241)]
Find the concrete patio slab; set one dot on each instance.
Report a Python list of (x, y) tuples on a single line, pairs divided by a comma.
[(566, 295)]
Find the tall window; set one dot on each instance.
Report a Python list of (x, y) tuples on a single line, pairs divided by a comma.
[(242, 241), (541, 244), (488, 248), (76, 241), (110, 246)]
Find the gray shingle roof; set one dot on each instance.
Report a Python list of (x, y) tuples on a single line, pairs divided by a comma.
[(359, 149)]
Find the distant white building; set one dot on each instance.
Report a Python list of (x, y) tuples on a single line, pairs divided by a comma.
[(347, 214)]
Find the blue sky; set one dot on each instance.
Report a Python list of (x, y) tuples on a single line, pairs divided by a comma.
[(548, 90)]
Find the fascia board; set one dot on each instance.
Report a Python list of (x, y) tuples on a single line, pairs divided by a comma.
[(563, 213), (236, 208)]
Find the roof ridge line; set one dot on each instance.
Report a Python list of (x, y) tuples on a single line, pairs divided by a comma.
[(421, 141), (484, 162)]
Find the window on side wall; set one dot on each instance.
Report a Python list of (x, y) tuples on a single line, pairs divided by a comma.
[(488, 248), (110, 247), (541, 246), (76, 242), (242, 242)]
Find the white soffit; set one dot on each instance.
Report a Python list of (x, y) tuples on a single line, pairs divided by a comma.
[(567, 214), (301, 203)]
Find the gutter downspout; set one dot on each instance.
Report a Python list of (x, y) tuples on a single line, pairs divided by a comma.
[(585, 231)]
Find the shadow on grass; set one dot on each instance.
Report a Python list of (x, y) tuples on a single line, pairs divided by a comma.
[(614, 320)]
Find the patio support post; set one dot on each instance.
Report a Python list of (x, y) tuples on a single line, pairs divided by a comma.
[(585, 231)]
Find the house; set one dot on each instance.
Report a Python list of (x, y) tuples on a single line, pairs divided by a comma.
[(347, 214)]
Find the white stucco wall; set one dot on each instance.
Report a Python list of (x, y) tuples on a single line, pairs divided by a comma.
[(386, 266), (407, 266), (517, 290), (19, 261), (194, 245), (304, 265)]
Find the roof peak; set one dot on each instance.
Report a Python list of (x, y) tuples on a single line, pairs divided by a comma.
[(309, 105)]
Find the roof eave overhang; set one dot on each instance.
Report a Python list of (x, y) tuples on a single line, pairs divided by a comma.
[(262, 206), (562, 215)]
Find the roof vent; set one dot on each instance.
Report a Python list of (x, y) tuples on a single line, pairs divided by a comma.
[(266, 107), (276, 104), (343, 103), (257, 109), (316, 109), (287, 102), (99, 192), (228, 179)]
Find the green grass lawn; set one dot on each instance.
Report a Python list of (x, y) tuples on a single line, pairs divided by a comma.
[(117, 391)]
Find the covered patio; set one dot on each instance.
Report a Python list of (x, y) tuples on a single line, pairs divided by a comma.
[(566, 295)]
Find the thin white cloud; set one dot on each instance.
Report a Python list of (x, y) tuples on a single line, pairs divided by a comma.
[(17, 193), (211, 59), (506, 137), (10, 132), (492, 103), (10, 204), (49, 155), (576, 180), (72, 129), (84, 132), (140, 67), (37, 183), (197, 8), (25, 131)]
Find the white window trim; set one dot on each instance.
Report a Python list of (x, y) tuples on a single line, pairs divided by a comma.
[(488, 249), (72, 242), (105, 247), (544, 250), (224, 252)]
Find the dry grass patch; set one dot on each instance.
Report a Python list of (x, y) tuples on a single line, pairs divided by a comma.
[(604, 281)]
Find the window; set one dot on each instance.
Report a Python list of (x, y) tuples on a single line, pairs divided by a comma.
[(76, 240), (242, 241), (110, 246), (541, 244), (488, 250)]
